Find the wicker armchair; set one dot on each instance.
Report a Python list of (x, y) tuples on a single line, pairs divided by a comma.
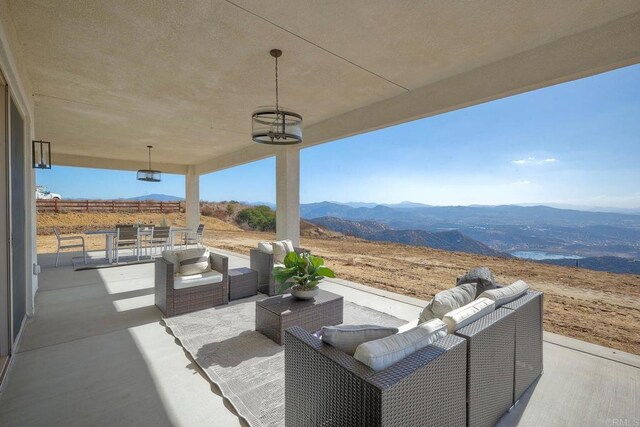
[(325, 386), (262, 262), (178, 301), (528, 352)]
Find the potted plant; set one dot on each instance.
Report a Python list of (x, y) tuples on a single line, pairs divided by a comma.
[(302, 273)]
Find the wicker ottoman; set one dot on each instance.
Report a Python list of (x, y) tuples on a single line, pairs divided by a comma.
[(243, 282), (275, 314)]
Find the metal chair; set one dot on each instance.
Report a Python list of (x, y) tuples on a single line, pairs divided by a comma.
[(61, 245), (196, 239), (160, 237), (127, 236)]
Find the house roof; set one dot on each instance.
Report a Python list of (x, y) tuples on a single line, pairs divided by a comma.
[(110, 78)]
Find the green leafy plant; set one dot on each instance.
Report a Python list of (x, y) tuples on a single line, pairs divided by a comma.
[(260, 218), (302, 270)]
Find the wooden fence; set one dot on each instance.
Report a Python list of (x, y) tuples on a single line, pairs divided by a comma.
[(51, 205)]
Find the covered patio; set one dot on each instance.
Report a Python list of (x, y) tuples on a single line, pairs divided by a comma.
[(98, 353), (103, 80)]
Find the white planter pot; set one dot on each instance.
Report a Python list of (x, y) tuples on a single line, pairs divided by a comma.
[(304, 294)]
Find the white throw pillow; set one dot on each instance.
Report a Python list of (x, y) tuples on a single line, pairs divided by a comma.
[(348, 337), (384, 352), (172, 257), (505, 295), (448, 300), (467, 314), (265, 247), (288, 245), (279, 252), (193, 261)]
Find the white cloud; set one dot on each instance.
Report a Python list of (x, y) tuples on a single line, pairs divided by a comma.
[(521, 183), (534, 161)]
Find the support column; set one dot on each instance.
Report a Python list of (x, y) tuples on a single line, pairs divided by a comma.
[(192, 198), (288, 194)]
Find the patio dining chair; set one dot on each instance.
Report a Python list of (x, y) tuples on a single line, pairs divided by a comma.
[(127, 236), (195, 239), (160, 237), (70, 245)]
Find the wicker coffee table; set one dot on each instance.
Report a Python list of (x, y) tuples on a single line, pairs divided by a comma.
[(275, 314)]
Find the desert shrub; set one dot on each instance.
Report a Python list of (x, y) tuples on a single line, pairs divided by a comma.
[(207, 210), (260, 218), (230, 209)]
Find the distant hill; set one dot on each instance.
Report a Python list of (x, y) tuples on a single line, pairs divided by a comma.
[(602, 263), (158, 198), (451, 240)]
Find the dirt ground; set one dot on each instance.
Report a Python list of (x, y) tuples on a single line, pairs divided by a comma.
[(598, 307)]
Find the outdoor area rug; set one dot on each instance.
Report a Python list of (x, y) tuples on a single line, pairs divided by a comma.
[(247, 366)]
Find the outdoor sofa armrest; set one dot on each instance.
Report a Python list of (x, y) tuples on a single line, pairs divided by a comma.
[(263, 263), (163, 280), (491, 342), (220, 263), (425, 388), (529, 313)]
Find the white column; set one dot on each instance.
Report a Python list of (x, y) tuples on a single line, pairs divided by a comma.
[(192, 195), (288, 194)]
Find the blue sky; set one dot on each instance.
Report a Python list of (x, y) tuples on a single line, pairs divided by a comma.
[(577, 143)]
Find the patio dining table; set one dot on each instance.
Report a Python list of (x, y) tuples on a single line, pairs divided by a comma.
[(110, 233)]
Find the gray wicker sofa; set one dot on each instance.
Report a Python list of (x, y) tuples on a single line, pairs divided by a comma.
[(325, 386), (262, 262), (502, 358), (178, 301)]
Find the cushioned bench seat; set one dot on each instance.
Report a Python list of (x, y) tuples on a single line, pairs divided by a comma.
[(206, 278)]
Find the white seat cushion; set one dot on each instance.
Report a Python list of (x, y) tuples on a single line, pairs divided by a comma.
[(194, 261), (448, 300), (279, 252), (348, 337), (206, 278), (467, 314), (288, 245), (384, 352), (265, 247), (505, 295), (172, 257)]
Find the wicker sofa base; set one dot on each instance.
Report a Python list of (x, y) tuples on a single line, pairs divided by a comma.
[(197, 298), (490, 367), (327, 387), (528, 351)]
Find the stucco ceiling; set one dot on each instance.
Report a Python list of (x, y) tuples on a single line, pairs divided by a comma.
[(110, 77)]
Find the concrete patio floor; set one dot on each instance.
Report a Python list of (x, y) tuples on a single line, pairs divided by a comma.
[(97, 353)]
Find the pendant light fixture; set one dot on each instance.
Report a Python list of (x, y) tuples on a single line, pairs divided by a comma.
[(41, 155), (274, 126), (149, 175)]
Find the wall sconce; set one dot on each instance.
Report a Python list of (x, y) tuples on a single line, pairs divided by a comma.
[(41, 154)]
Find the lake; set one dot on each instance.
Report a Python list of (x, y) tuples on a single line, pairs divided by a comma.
[(538, 255)]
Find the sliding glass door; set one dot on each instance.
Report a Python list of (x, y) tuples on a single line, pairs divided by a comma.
[(18, 219), (5, 230)]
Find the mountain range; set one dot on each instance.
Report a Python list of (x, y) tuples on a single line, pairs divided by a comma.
[(606, 241), (451, 240), (158, 198)]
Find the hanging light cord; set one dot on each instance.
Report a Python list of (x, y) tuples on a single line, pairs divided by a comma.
[(149, 156), (277, 106)]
